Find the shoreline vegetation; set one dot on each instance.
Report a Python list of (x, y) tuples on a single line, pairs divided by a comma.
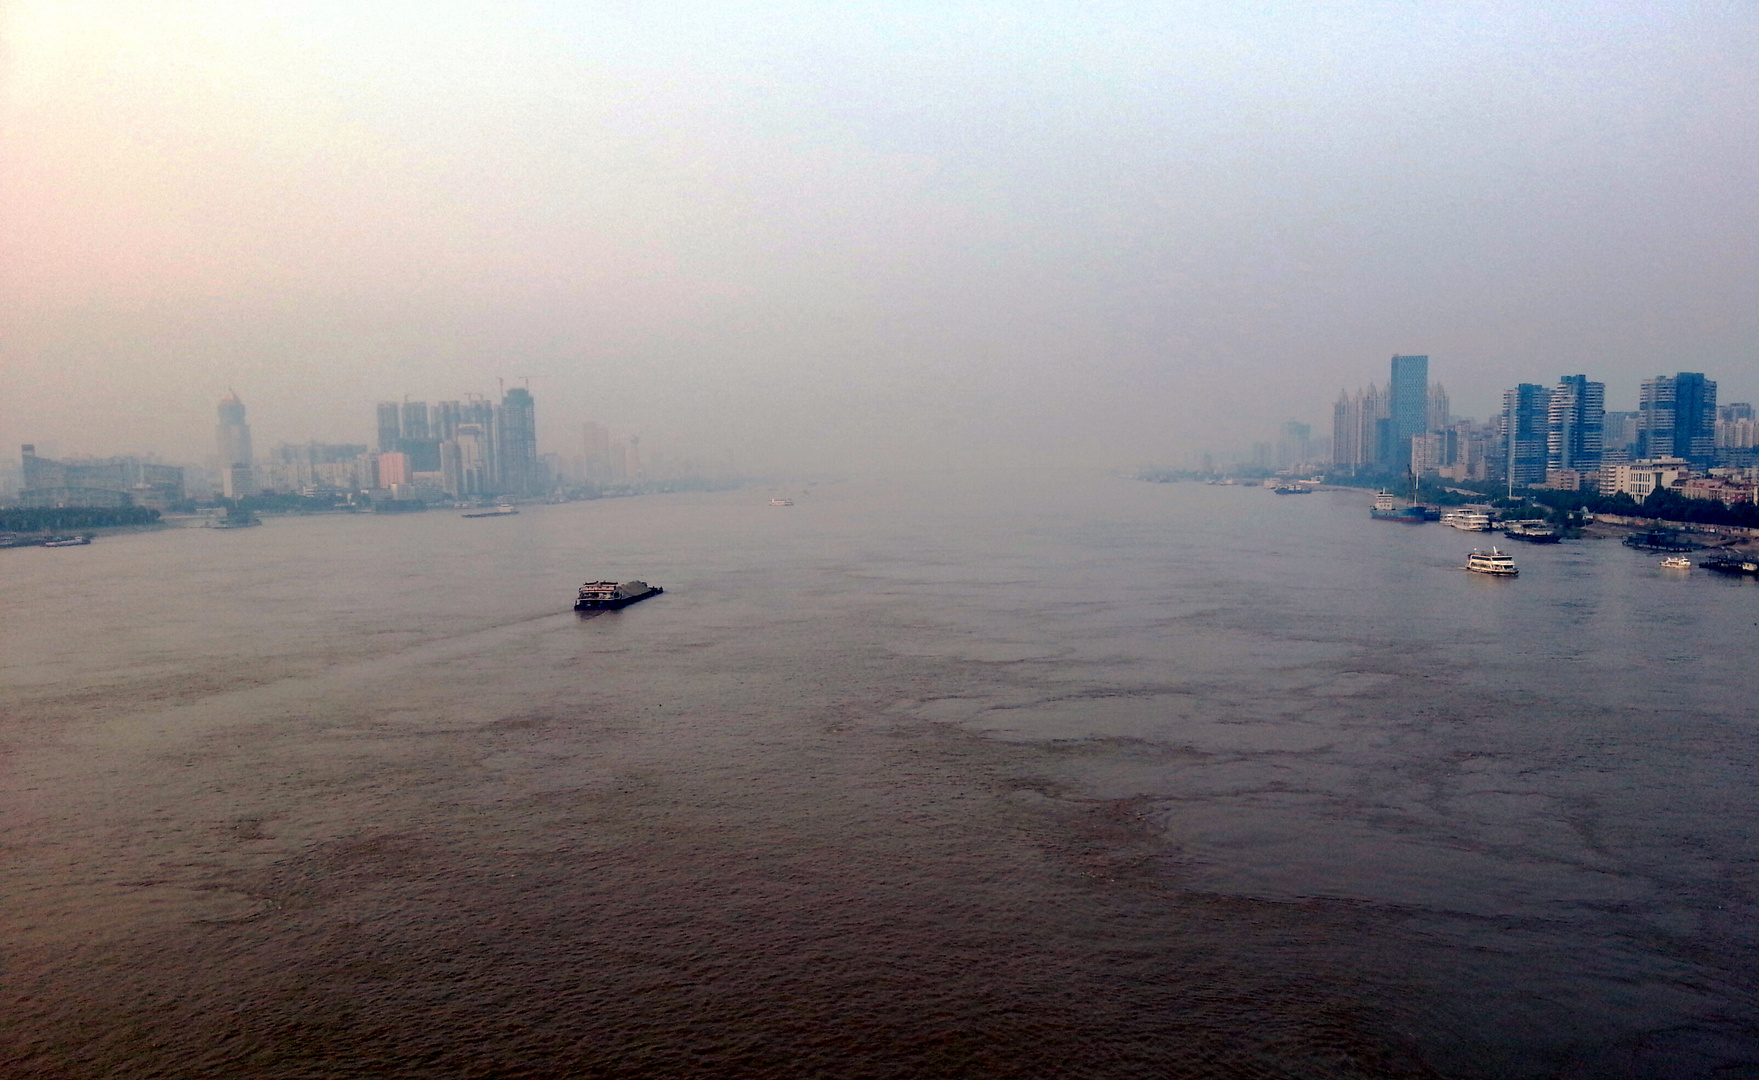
[(1566, 508), (20, 521)]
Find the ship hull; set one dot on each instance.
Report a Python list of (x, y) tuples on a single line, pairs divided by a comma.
[(616, 602)]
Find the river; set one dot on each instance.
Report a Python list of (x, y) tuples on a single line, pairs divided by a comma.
[(971, 775)]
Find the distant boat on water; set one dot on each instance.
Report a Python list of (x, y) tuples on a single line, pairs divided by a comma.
[(611, 595), (781, 502), (235, 519), (500, 511), (1492, 562)]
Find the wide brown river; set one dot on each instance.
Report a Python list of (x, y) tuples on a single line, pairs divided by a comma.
[(987, 775)]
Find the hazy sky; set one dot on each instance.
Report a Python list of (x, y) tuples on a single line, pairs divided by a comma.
[(830, 236)]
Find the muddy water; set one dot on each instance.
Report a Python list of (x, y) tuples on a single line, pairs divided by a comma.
[(986, 776)]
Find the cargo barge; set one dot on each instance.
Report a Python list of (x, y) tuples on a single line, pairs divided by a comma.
[(1727, 564), (611, 595), (1660, 540)]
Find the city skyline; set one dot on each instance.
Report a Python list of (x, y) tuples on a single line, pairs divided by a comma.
[(391, 415), (877, 254)]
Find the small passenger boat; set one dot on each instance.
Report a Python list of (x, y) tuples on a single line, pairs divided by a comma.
[(610, 595), (1492, 562), (781, 502), (1677, 562)]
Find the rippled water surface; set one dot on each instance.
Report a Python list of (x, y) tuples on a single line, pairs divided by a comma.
[(993, 776)]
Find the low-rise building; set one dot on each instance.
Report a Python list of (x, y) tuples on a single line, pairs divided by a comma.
[(1639, 479), (96, 482), (1569, 479), (1722, 489)]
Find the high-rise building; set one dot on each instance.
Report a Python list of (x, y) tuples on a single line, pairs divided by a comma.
[(1355, 441), (415, 420), (1429, 453), (1525, 429), (452, 480), (314, 464), (443, 421), (1575, 422), (394, 470), (1438, 419), (1618, 430), (516, 426), (1294, 444), (478, 415), (596, 441), (1741, 434), (237, 479), (390, 426), (476, 457), (1467, 450), (1408, 405), (1694, 431), (1676, 416)]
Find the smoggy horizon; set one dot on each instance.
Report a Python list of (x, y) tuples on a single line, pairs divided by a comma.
[(823, 239)]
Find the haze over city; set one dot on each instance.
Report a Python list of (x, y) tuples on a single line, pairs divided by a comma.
[(845, 238)]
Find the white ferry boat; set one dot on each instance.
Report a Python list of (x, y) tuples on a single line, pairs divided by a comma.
[(1468, 520), (1677, 562), (1492, 562), (781, 502)]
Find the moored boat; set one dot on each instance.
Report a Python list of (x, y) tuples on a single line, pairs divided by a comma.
[(1492, 562), (80, 540), (1729, 564), (1659, 539), (1677, 562), (500, 511), (1531, 532), (235, 519), (1467, 520), (1387, 508), (610, 595)]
